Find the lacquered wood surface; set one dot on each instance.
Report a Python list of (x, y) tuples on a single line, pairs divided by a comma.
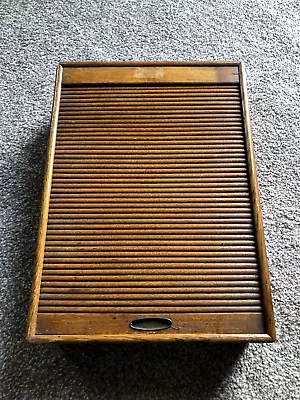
[(149, 74), (151, 207)]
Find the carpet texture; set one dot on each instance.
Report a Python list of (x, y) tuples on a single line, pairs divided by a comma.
[(35, 36)]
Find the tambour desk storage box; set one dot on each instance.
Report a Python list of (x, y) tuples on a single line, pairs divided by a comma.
[(151, 226)]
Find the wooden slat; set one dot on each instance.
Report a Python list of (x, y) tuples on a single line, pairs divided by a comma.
[(47, 292), (242, 282), (150, 310), (209, 132), (164, 74)]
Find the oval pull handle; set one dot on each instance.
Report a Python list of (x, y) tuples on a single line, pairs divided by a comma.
[(151, 323)]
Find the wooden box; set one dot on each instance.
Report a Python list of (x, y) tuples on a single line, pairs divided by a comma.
[(151, 226)]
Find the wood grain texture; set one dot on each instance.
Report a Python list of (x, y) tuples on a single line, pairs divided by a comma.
[(91, 324), (149, 74), (151, 207), (37, 276)]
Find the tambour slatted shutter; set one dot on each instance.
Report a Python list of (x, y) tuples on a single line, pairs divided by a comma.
[(151, 216)]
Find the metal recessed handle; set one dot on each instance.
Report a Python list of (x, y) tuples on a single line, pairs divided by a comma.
[(151, 323)]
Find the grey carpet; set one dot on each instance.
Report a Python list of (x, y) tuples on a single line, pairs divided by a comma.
[(34, 37)]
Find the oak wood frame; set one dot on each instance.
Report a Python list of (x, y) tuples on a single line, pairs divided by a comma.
[(270, 333)]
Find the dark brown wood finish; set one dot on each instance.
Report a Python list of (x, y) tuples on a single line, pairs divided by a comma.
[(151, 207)]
